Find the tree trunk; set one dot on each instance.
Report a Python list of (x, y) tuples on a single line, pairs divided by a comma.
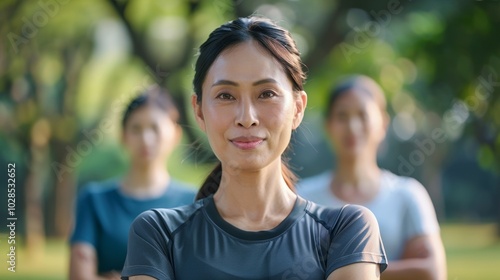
[(64, 190), (431, 174), (35, 230)]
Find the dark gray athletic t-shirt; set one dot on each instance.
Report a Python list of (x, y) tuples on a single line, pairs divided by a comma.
[(195, 242)]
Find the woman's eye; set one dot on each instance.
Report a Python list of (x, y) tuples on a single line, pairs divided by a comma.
[(225, 96), (135, 129), (268, 94), (341, 116), (363, 115)]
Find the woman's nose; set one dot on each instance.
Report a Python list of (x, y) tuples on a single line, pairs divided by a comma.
[(247, 114)]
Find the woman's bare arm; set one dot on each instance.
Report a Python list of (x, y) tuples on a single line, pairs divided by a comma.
[(356, 271), (83, 264), (423, 259), (141, 277)]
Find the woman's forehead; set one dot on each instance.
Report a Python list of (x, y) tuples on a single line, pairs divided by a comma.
[(246, 62), (355, 97), (147, 112)]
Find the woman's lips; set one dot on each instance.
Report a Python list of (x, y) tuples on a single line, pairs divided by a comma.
[(247, 143)]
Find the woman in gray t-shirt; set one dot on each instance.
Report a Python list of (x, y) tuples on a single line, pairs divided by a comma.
[(248, 222)]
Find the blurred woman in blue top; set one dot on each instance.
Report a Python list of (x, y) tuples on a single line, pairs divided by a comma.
[(106, 210)]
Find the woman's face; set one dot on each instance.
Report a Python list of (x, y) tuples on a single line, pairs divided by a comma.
[(248, 108), (150, 135), (356, 125)]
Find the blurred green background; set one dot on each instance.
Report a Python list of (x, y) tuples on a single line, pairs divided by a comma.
[(68, 68)]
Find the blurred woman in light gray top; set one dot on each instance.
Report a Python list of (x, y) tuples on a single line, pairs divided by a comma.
[(356, 121)]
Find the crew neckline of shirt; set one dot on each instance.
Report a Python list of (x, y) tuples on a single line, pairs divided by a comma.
[(213, 214)]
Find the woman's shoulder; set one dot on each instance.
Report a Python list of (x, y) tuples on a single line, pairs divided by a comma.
[(402, 184), (180, 193), (335, 218), (314, 184), (169, 219), (182, 187), (98, 189)]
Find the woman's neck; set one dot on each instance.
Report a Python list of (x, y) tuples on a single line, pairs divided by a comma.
[(254, 200), (356, 181), (145, 181)]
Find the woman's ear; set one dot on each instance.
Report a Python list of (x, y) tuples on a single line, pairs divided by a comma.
[(198, 113), (300, 107)]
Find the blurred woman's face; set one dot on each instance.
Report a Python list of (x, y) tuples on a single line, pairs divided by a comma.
[(150, 135), (356, 124), (248, 109)]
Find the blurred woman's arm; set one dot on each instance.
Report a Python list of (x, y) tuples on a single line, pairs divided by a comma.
[(83, 264), (423, 259)]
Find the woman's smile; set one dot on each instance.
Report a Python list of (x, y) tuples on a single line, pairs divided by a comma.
[(247, 143)]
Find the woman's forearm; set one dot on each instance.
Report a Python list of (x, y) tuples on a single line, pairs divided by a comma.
[(413, 269)]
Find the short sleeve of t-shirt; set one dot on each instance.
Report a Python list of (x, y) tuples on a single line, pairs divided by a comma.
[(85, 230), (151, 232), (145, 236), (355, 237), (420, 217)]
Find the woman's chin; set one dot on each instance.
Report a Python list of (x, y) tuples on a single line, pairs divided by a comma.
[(146, 159), (237, 166), (351, 152)]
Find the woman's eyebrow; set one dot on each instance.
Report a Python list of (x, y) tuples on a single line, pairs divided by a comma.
[(231, 83), (265, 81), (224, 82)]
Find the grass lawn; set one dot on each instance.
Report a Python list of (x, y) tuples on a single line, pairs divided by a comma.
[(472, 252)]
